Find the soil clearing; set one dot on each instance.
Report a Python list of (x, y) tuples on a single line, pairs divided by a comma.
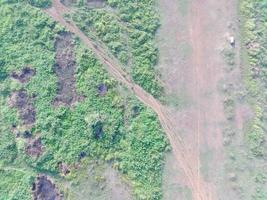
[(21, 101), (45, 189), (192, 67), (65, 69), (187, 160)]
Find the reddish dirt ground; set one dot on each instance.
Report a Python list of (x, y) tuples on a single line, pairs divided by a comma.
[(198, 29), (203, 118)]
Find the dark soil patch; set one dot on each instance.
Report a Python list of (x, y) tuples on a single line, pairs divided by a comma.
[(24, 76), (21, 101), (95, 3), (45, 189), (27, 134), (65, 69), (98, 130), (102, 89), (82, 155), (34, 147), (135, 111)]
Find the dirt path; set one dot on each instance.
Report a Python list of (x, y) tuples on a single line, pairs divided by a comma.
[(192, 68), (187, 160)]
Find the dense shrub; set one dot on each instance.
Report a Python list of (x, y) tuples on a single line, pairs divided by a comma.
[(40, 3)]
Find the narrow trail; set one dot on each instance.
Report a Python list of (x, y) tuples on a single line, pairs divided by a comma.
[(185, 158)]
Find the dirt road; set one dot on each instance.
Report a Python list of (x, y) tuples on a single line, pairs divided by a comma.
[(187, 160), (193, 68)]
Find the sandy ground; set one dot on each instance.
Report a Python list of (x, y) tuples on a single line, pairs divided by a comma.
[(191, 38)]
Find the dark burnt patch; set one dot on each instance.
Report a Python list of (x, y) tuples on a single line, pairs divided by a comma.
[(34, 147), (21, 101), (82, 155), (27, 134), (98, 130), (24, 76), (45, 189), (102, 89), (65, 70), (135, 111)]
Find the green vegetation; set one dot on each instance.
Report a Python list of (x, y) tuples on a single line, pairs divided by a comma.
[(229, 56), (40, 3), (131, 136), (15, 185), (128, 29), (255, 40)]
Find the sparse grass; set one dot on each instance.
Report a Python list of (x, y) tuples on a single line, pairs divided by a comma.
[(229, 55), (229, 108), (246, 160)]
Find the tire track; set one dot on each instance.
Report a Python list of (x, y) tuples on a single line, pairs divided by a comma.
[(186, 159)]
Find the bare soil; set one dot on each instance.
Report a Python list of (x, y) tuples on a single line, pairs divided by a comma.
[(65, 70), (192, 67), (45, 189), (24, 76), (34, 147), (21, 101)]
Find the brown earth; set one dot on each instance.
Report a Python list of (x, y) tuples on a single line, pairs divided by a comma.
[(45, 189), (21, 101), (34, 147), (65, 70), (187, 159), (24, 76)]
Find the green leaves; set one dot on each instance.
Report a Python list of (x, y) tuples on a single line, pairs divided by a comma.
[(114, 126), (40, 3), (255, 31), (129, 34)]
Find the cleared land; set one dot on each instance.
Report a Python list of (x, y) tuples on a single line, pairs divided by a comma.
[(192, 68)]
